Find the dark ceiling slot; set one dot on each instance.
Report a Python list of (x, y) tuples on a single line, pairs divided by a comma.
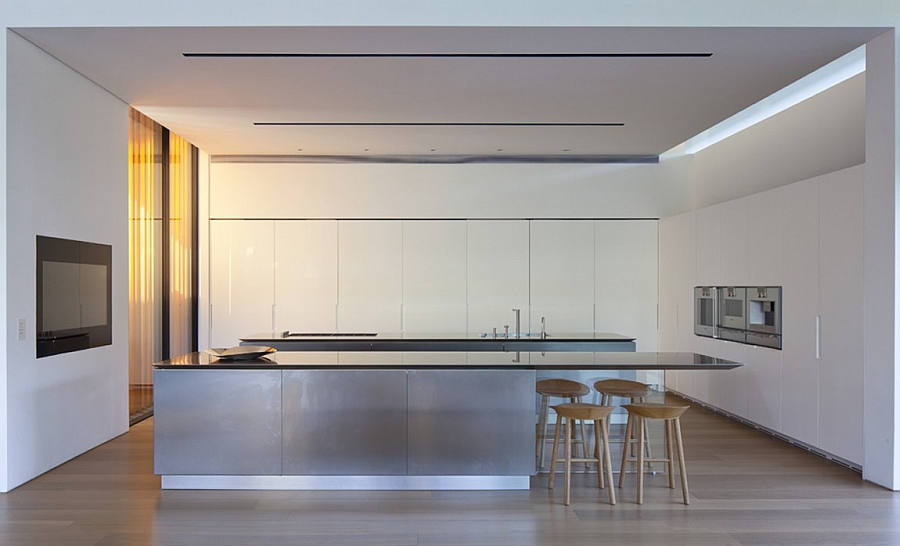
[(634, 55), (432, 124)]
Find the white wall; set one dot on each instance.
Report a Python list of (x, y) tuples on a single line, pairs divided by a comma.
[(67, 177), (304, 190)]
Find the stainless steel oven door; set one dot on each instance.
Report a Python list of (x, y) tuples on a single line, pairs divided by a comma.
[(732, 307), (705, 311)]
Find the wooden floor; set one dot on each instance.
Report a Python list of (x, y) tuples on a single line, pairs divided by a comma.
[(746, 488)]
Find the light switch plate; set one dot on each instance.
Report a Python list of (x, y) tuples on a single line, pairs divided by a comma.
[(21, 329)]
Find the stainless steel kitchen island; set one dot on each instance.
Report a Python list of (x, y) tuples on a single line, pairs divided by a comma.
[(362, 420)]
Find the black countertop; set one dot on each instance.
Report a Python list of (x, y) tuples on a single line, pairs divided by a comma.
[(601, 360), (311, 341)]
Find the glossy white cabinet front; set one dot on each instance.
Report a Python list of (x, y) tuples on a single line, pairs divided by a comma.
[(242, 258), (370, 273)]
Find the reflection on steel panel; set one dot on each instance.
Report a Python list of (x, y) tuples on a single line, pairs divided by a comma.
[(345, 422), (471, 422), (211, 422)]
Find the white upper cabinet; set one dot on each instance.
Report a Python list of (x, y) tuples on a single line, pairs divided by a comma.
[(497, 274), (841, 298), (709, 247), (305, 275), (764, 219), (241, 280), (370, 276), (562, 276), (434, 276), (733, 262), (626, 270)]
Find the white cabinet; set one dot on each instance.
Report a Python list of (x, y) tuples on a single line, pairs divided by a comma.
[(370, 276), (734, 228), (626, 270), (841, 309), (764, 228), (678, 268), (497, 274), (241, 279), (800, 301), (305, 275), (434, 276), (709, 247), (562, 275)]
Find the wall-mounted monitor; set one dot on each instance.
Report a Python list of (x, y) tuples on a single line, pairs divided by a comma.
[(74, 295)]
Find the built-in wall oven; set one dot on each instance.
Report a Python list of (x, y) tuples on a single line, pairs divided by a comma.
[(732, 313), (705, 317), (764, 316), (746, 314)]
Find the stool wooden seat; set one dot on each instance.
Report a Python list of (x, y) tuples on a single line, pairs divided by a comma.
[(633, 391), (638, 414), (573, 391), (621, 388), (573, 412)]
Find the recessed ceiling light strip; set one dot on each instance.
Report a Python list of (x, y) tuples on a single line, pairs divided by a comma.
[(623, 55)]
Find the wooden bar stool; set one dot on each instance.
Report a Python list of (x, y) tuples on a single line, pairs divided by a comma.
[(573, 412), (560, 388), (638, 414), (633, 391)]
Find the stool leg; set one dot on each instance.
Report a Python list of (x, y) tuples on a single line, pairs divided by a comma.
[(597, 454), (670, 452), (680, 446), (555, 452), (625, 443), (641, 400), (542, 427), (604, 426), (568, 464), (640, 460), (584, 442)]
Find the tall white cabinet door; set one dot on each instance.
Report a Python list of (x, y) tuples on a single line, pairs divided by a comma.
[(709, 247), (370, 275), (562, 275), (242, 279), (497, 274), (627, 279), (841, 308), (434, 276), (305, 275), (800, 297)]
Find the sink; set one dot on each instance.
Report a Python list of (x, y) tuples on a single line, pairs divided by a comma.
[(523, 335)]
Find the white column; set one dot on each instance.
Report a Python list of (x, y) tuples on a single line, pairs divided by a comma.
[(880, 462)]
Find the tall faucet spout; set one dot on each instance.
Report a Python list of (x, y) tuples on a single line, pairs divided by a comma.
[(518, 330)]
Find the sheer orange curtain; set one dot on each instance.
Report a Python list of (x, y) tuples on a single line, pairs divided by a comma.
[(161, 270), (181, 245), (144, 231)]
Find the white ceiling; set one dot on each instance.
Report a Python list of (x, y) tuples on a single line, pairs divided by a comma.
[(515, 91)]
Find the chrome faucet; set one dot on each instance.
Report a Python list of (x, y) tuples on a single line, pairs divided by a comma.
[(518, 331), (543, 327)]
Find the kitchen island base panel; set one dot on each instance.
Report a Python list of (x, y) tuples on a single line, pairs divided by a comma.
[(349, 483)]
